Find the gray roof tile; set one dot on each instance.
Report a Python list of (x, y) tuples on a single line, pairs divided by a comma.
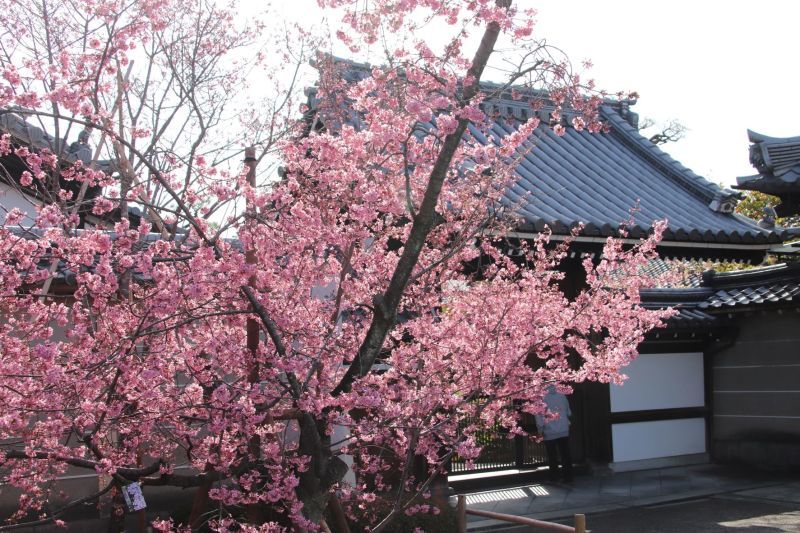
[(776, 285), (765, 294), (598, 179)]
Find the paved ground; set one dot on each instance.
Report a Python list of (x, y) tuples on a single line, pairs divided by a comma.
[(696, 499), (715, 514), (704, 498)]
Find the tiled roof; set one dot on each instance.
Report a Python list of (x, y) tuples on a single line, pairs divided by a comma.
[(690, 317), (25, 133), (673, 272), (597, 179), (778, 163), (686, 302), (790, 249), (782, 292), (777, 284), (64, 274)]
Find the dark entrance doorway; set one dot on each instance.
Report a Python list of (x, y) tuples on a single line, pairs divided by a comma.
[(502, 451)]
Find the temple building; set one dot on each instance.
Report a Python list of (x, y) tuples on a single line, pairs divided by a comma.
[(721, 382)]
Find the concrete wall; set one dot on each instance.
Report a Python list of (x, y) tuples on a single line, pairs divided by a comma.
[(756, 393)]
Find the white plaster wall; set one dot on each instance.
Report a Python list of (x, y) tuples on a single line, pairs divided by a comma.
[(661, 381), (11, 198), (662, 438)]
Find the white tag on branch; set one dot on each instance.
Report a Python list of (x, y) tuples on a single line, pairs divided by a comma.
[(134, 498)]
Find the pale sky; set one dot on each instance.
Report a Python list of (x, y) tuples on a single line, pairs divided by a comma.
[(719, 67)]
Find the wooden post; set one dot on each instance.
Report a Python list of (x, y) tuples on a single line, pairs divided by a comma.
[(461, 514), (580, 523)]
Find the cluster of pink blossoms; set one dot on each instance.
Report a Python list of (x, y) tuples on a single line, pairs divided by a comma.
[(124, 348)]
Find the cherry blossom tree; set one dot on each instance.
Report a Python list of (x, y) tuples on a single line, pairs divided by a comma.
[(382, 309)]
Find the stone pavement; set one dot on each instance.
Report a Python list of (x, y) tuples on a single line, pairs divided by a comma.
[(773, 509), (624, 490)]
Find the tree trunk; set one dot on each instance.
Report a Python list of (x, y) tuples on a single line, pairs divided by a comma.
[(326, 470), (322, 474), (199, 505)]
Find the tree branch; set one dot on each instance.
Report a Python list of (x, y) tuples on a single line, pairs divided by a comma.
[(132, 474), (61, 511), (387, 303)]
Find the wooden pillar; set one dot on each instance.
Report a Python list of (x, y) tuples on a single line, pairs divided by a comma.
[(596, 422), (580, 523), (461, 514)]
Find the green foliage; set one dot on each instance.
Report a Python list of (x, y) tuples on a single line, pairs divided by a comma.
[(753, 204), (719, 266)]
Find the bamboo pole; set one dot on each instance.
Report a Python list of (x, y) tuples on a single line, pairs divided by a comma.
[(462, 512)]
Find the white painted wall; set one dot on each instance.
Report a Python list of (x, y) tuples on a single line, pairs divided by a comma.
[(661, 381), (662, 438), (11, 198)]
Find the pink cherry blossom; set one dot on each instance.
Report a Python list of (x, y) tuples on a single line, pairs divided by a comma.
[(165, 311)]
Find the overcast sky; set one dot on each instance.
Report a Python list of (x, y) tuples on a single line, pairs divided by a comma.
[(719, 67)]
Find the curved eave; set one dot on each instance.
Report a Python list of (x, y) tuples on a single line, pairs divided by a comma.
[(788, 182), (755, 137), (678, 237), (752, 246), (750, 252)]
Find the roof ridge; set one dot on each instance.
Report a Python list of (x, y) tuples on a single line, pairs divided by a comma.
[(674, 295), (755, 137), (771, 274), (686, 177)]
